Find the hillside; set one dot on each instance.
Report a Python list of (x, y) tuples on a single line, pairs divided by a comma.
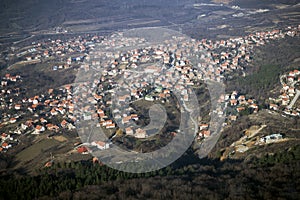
[(72, 85)]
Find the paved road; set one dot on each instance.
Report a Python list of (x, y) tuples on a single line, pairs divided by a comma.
[(294, 100)]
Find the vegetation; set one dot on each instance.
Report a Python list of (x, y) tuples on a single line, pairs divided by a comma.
[(283, 157), (206, 178), (263, 74), (255, 177), (260, 81)]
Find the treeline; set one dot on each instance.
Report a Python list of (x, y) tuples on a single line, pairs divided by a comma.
[(72, 176), (282, 157), (270, 176)]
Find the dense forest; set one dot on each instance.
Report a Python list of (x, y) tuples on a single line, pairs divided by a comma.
[(188, 178)]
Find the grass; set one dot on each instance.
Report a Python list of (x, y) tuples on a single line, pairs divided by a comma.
[(38, 78), (35, 151)]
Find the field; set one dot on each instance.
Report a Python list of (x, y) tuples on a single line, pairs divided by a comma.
[(95, 16), (43, 79), (35, 153)]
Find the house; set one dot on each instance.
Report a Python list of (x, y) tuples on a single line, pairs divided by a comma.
[(233, 117), (243, 102), (290, 78), (97, 97), (239, 109), (242, 98), (204, 133), (140, 133), (17, 106), (95, 160), (285, 101), (38, 129), (5, 145), (271, 138), (126, 119), (100, 113), (4, 136), (285, 87), (292, 74), (13, 120), (254, 106), (107, 122), (133, 65), (13, 79), (7, 76), (49, 126), (33, 107), (35, 102), (203, 126), (101, 145), (87, 116), (226, 97), (53, 111), (234, 94), (250, 101), (291, 91), (113, 125), (61, 110), (166, 91), (233, 102), (149, 98), (284, 95), (134, 117), (64, 124), (48, 164), (158, 89), (4, 83), (42, 120), (82, 150), (29, 123), (162, 95), (129, 131), (70, 126), (273, 106), (296, 72)]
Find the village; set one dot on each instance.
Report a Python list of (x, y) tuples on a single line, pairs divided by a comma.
[(152, 74), (289, 94)]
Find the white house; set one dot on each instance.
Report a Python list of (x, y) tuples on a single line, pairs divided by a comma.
[(101, 145)]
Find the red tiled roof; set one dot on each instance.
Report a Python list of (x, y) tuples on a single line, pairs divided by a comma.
[(4, 144), (82, 149)]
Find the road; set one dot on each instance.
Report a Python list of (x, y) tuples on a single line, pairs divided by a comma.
[(294, 100), (19, 41), (192, 119)]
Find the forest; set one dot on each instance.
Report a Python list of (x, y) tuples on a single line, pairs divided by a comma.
[(187, 178)]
